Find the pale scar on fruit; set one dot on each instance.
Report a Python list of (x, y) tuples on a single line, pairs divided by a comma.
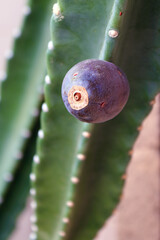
[(78, 97)]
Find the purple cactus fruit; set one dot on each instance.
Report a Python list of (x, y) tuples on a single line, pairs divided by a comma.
[(95, 91)]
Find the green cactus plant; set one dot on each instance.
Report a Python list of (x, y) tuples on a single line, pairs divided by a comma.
[(77, 167)]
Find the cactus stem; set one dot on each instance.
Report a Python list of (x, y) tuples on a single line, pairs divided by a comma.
[(9, 54), (75, 180), (32, 177), (47, 80), (81, 157), (33, 218), (70, 204), (36, 159), (8, 177), (50, 45), (40, 133), (86, 134), (26, 10), (32, 191), (65, 220), (33, 205), (62, 234), (113, 33), (45, 107)]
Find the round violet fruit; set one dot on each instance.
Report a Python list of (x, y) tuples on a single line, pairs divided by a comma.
[(95, 91)]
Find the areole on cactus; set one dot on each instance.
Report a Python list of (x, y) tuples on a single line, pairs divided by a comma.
[(76, 179)]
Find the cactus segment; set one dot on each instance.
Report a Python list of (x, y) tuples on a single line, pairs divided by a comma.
[(21, 89), (61, 137), (74, 199), (18, 191)]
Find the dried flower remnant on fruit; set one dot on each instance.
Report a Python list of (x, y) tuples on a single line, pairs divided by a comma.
[(78, 97)]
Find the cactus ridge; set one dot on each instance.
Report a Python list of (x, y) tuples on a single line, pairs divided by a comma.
[(55, 228), (17, 193), (21, 89), (100, 176)]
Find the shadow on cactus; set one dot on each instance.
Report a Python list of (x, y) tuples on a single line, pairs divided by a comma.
[(77, 167)]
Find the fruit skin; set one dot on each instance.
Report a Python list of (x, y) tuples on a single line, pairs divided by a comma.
[(106, 85)]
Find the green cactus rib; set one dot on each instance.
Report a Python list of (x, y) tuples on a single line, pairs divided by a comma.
[(61, 136), (83, 34), (18, 191), (20, 91)]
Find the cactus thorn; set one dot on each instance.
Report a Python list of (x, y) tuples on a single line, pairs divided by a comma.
[(113, 33), (33, 236), (34, 228), (36, 159), (33, 218), (65, 220), (50, 45), (32, 177), (62, 234), (86, 134), (130, 152), (81, 157), (47, 80), (9, 54), (33, 205), (16, 33), (32, 191), (45, 107), (26, 10), (70, 204), (57, 12), (75, 180), (3, 76), (139, 128), (40, 133), (124, 176), (152, 102)]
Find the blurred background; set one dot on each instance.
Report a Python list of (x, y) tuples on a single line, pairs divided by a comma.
[(138, 215)]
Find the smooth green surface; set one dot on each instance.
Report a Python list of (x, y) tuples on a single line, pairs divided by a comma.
[(78, 36), (18, 191), (21, 90), (82, 34), (137, 53)]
